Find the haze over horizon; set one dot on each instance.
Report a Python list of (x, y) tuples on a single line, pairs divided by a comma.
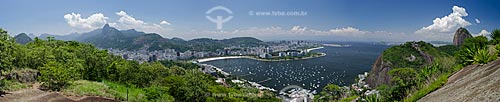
[(312, 20)]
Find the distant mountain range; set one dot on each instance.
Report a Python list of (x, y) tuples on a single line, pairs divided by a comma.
[(109, 37)]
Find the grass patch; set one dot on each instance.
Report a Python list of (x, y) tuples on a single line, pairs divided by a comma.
[(349, 99), (11, 85), (104, 89), (120, 92), (88, 88), (428, 89)]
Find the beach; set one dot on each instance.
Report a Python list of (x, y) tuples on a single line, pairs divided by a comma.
[(260, 59)]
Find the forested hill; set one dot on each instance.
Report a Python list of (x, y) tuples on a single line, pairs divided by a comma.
[(80, 69), (109, 37)]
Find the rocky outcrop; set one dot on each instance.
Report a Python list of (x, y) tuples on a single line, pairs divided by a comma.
[(24, 75), (378, 73), (460, 35), (473, 83), (427, 58)]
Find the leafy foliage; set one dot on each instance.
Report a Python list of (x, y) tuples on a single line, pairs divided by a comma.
[(7, 50), (56, 75), (482, 56), (64, 64), (403, 79), (397, 56), (495, 36), (448, 49), (330, 92), (475, 51)]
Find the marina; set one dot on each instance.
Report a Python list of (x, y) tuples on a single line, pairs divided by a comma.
[(312, 74)]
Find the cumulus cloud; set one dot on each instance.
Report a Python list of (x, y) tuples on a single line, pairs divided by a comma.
[(297, 29), (444, 27), (165, 23), (447, 24), (80, 24), (477, 21), (483, 33), (125, 21)]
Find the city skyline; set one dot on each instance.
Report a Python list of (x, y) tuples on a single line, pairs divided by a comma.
[(309, 20)]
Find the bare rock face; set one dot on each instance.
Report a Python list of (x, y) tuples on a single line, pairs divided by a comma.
[(24, 75), (460, 35), (378, 73), (473, 83)]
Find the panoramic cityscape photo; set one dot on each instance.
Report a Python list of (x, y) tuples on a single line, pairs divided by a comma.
[(249, 51)]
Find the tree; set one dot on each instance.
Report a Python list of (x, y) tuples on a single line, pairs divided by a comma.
[(7, 50), (330, 92), (495, 36), (403, 79), (55, 76)]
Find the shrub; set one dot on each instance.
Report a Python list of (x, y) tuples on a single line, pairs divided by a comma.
[(11, 85), (330, 92), (55, 76), (449, 49), (497, 49), (483, 56), (475, 54), (403, 79), (159, 94)]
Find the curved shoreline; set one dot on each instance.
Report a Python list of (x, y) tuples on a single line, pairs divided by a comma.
[(256, 85), (260, 59)]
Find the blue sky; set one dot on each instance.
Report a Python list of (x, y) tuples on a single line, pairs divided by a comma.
[(325, 20)]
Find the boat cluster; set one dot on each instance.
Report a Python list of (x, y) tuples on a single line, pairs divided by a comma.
[(284, 73)]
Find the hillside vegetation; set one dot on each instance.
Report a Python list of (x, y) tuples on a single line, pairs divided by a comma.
[(83, 70), (410, 71)]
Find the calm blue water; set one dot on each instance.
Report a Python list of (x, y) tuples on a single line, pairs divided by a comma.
[(340, 66)]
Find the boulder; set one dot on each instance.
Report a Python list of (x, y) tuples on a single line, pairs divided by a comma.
[(460, 35), (24, 75)]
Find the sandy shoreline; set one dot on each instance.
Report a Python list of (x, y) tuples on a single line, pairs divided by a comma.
[(255, 58)]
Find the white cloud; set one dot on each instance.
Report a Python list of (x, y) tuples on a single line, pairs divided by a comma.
[(297, 29), (80, 24), (477, 21), (126, 21), (447, 23), (483, 33), (348, 30), (165, 23), (444, 27)]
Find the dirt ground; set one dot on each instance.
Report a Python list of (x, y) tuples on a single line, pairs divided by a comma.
[(34, 94)]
